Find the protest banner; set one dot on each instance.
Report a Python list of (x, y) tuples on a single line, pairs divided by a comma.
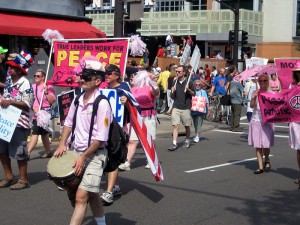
[(64, 102), (115, 103), (195, 60), (253, 61), (8, 121), (68, 54), (281, 107), (285, 67), (185, 55)]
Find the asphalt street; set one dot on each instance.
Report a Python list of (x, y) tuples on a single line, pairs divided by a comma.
[(211, 183)]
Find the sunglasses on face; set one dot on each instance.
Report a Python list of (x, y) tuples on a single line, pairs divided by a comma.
[(37, 76), (197, 84), (86, 78), (263, 81)]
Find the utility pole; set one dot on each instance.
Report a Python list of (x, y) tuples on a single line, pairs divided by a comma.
[(236, 11), (118, 18)]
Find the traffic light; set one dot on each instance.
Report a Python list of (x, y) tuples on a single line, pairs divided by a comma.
[(244, 37), (231, 37)]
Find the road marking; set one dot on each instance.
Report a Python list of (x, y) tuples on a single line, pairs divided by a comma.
[(221, 165), (275, 125), (228, 131), (243, 117)]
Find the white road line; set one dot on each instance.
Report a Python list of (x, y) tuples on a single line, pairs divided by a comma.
[(221, 165), (227, 131), (243, 117), (275, 125)]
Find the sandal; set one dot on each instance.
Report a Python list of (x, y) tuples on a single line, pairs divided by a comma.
[(6, 183), (267, 165), (20, 185), (45, 155), (258, 171)]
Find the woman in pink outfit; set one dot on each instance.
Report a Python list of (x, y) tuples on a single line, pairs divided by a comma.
[(48, 99), (261, 135), (144, 90), (275, 84), (294, 127)]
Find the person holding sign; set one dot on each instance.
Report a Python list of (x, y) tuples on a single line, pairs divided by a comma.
[(200, 108), (261, 135), (294, 127), (114, 79), (18, 93), (182, 92), (48, 99), (92, 158)]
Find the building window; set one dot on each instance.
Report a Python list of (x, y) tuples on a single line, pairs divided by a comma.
[(179, 5), (298, 19)]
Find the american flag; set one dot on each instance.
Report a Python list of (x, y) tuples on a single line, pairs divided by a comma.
[(143, 135)]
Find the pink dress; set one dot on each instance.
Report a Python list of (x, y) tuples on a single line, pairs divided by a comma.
[(274, 85), (261, 135), (38, 90)]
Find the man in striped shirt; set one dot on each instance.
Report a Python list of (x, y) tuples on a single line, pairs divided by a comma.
[(18, 93)]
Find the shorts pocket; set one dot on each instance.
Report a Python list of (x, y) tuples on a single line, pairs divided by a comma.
[(93, 177)]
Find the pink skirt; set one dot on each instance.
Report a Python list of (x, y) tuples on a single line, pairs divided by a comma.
[(261, 135), (294, 137)]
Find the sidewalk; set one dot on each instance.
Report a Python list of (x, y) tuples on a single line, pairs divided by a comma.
[(164, 130)]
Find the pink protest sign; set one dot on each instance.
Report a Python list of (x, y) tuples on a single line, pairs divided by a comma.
[(68, 54), (281, 107), (285, 67)]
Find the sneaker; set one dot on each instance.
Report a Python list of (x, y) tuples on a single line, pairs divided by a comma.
[(196, 139), (124, 166), (107, 197), (147, 166), (172, 147), (20, 185), (116, 191), (187, 144)]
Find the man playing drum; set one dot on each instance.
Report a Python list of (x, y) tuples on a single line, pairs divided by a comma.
[(92, 159)]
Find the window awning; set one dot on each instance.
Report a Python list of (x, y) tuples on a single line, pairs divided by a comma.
[(29, 25)]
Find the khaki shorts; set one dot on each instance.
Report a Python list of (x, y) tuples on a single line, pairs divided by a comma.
[(93, 171), (181, 116), (150, 122)]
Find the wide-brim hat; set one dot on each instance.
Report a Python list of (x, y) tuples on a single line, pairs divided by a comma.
[(22, 61)]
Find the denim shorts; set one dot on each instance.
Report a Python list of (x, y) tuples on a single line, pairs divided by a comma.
[(17, 147)]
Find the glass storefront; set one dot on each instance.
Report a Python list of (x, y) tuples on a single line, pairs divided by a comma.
[(298, 19)]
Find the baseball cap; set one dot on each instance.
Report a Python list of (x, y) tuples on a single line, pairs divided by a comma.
[(112, 68), (3, 50)]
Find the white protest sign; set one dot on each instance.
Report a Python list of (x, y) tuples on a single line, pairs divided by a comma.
[(116, 105), (185, 55), (195, 60), (8, 121), (255, 61)]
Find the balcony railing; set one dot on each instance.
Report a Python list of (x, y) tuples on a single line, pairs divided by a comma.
[(187, 22)]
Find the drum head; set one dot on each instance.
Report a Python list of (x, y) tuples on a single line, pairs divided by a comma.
[(62, 166)]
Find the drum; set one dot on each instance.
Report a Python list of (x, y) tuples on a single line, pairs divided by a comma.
[(60, 170)]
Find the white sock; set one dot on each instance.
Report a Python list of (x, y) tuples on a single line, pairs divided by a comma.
[(187, 140), (100, 220), (116, 186), (174, 142)]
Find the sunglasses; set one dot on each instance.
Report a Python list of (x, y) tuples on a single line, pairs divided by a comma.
[(38, 76), (197, 84), (86, 78), (263, 81)]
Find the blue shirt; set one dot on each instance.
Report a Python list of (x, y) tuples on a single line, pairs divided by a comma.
[(220, 84)]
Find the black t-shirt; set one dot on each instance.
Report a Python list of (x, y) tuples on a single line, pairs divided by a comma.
[(182, 100)]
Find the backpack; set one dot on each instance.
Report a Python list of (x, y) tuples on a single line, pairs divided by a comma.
[(117, 137)]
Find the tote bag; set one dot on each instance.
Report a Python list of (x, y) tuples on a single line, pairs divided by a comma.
[(198, 103)]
